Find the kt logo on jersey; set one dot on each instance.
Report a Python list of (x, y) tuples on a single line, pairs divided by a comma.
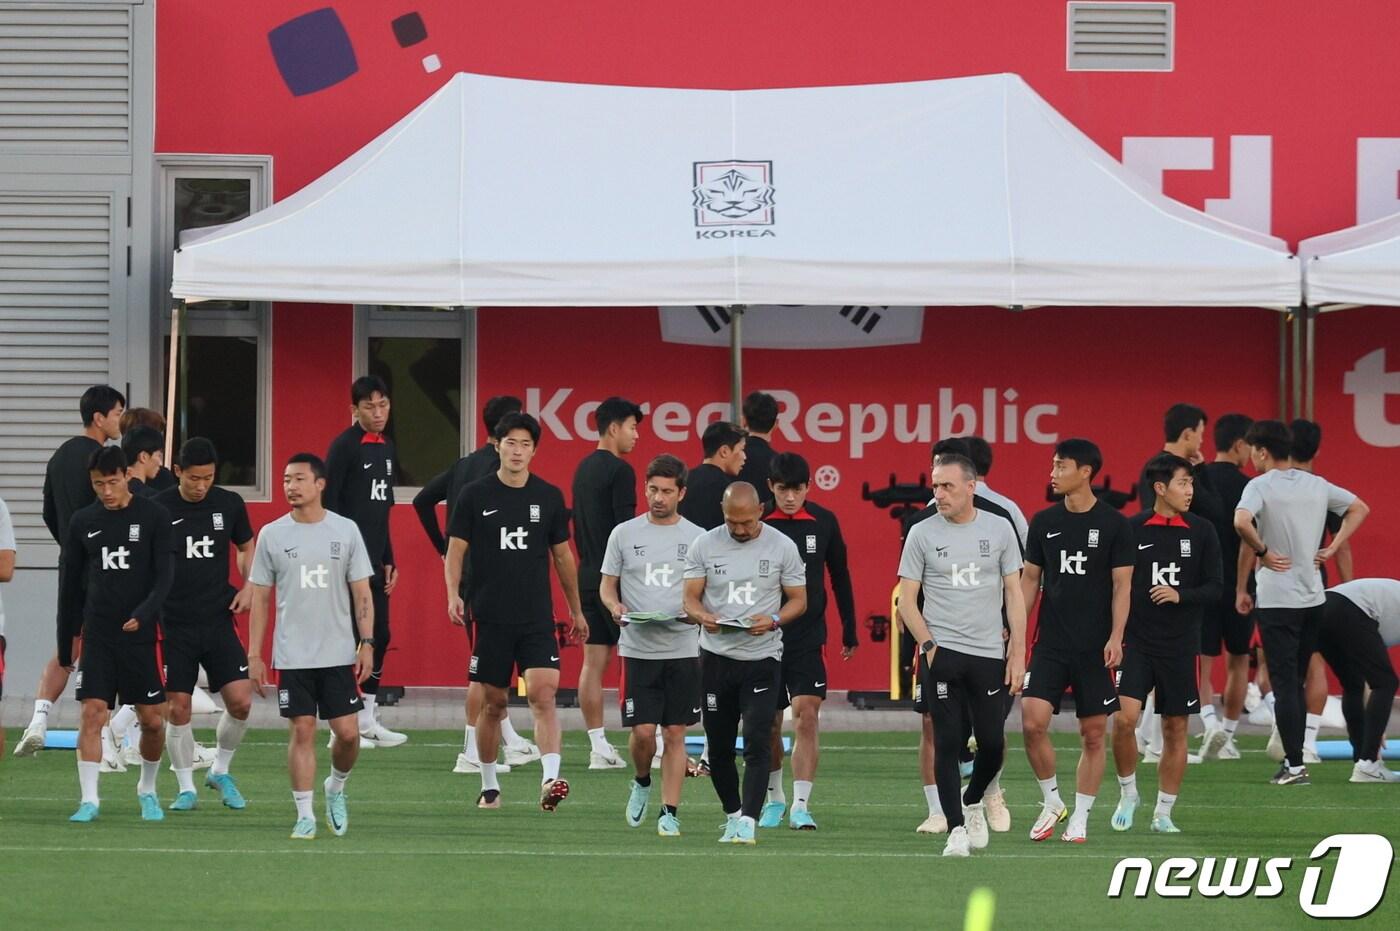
[(733, 193)]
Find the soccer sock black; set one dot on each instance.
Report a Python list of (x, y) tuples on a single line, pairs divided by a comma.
[(670, 810), (644, 781)]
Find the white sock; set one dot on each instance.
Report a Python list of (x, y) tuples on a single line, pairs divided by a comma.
[(775, 786), (122, 721), (146, 785), (185, 779), (1128, 785), (1230, 724), (801, 794), (1154, 730), (1314, 723), (87, 781), (509, 737), (935, 807), (41, 717), (1079, 818), (994, 786), (469, 745), (596, 739), (1164, 805), (179, 741), (549, 762), (1050, 789), (1269, 700), (366, 717), (488, 777), (228, 735), (1208, 716), (335, 782), (303, 802)]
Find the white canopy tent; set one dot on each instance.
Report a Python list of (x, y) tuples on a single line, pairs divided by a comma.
[(506, 192), (1358, 265)]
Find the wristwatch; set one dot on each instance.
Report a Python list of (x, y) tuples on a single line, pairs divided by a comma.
[(1260, 553), (366, 642), (927, 646)]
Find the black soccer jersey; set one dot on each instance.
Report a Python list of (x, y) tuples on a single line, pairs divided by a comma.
[(1228, 480), (509, 532), (67, 485), (446, 486), (704, 495), (1182, 553), (605, 495), (360, 486), (1077, 554), (118, 566), (201, 533), (817, 534)]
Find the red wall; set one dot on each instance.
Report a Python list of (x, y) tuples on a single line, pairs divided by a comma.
[(1245, 68)]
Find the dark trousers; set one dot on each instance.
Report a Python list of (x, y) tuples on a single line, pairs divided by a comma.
[(1351, 643), (956, 681), (381, 630), (1290, 637), (735, 689)]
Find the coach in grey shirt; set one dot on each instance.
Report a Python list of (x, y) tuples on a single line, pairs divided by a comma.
[(967, 563), (743, 570), (648, 560)]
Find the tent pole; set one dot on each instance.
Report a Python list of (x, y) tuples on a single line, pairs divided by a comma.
[(1309, 359), (1297, 387), (736, 358), (1283, 366), (177, 314)]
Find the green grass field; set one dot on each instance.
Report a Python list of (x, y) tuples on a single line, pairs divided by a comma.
[(419, 855)]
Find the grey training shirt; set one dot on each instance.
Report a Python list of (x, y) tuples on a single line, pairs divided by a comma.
[(1290, 506), (648, 560), (312, 566), (961, 568), (743, 580), (1379, 599)]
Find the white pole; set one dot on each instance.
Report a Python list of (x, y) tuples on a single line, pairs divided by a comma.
[(176, 315)]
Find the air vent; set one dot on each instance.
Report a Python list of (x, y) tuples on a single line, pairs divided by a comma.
[(1120, 36)]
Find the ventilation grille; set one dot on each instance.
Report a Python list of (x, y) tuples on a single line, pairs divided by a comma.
[(1120, 36)]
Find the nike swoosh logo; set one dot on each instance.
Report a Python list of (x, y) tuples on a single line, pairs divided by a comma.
[(242, 668), (1055, 534), (554, 659), (1109, 701), (993, 692), (818, 684), (93, 534), (1191, 704), (153, 694), (1143, 546), (369, 465), (761, 691), (694, 710), (490, 512), (178, 520)]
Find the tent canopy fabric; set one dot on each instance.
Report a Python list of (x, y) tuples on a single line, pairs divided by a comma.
[(506, 192), (1358, 265)]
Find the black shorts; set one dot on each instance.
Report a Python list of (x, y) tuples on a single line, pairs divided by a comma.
[(1221, 623), (804, 673), (602, 629), (330, 692), (660, 691), (501, 648), (120, 673), (1051, 673), (214, 646), (736, 688), (1173, 678)]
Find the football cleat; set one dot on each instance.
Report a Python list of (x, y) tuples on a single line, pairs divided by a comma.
[(185, 801), (933, 824), (1162, 824), (304, 829), (465, 765), (731, 830), (381, 736), (489, 798), (637, 799), (1123, 814), (86, 812), (150, 808), (520, 755), (1050, 815), (744, 833), (32, 742), (958, 845), (1213, 742), (228, 791), (772, 814), (1286, 777), (552, 793), (337, 813), (668, 825), (801, 820), (976, 824), (998, 815), (605, 760)]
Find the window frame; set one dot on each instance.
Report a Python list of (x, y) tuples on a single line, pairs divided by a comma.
[(377, 320), (254, 323)]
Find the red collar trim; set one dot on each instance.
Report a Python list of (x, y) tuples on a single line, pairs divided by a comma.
[(801, 514), (372, 438), (1157, 520)]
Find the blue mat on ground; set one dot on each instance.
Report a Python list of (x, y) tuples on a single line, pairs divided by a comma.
[(694, 745), (1341, 749), (61, 740)]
